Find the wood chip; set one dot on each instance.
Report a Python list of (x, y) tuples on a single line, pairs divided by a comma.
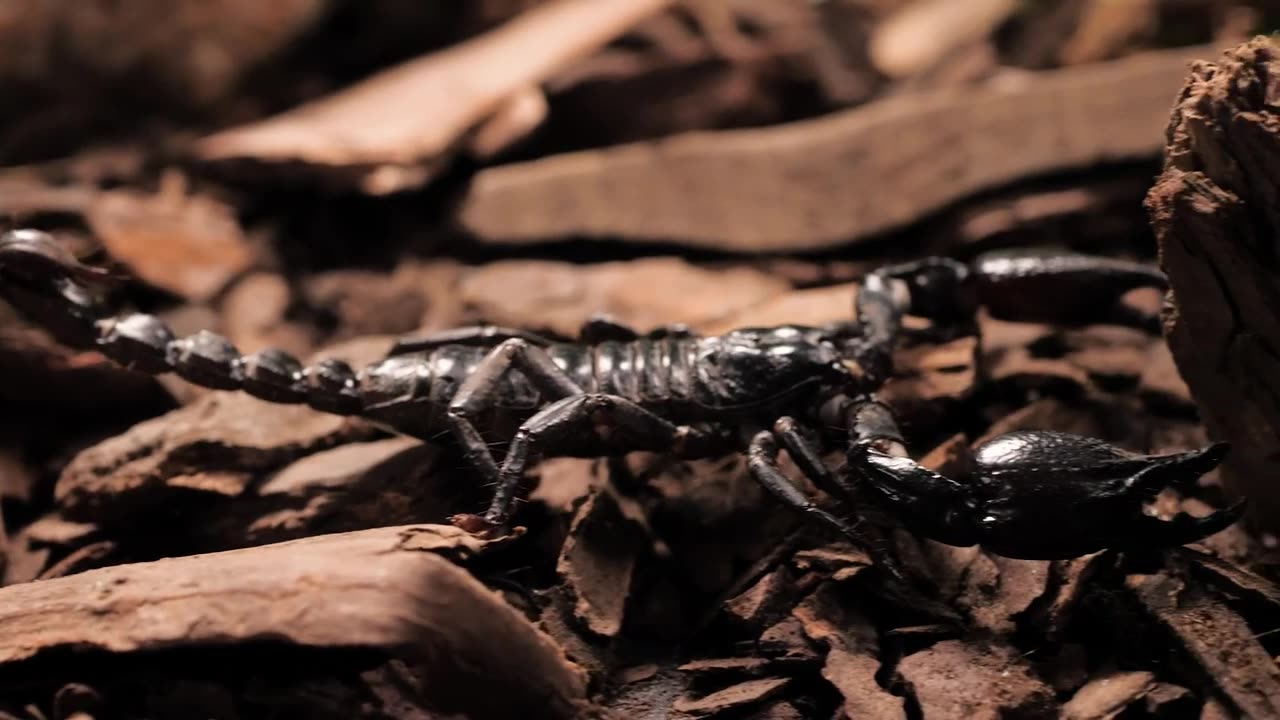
[(388, 589), (217, 445), (561, 296), (1105, 697), (852, 653), (1216, 638), (922, 33), (962, 680), (599, 556), (735, 697), (394, 131), (190, 245), (787, 188)]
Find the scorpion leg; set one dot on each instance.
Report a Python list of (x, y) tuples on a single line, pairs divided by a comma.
[(476, 335), (612, 421), (762, 461), (480, 389)]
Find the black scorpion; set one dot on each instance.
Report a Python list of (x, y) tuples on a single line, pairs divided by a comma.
[(1036, 495)]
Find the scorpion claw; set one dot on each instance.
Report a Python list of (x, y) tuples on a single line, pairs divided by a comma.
[(1041, 495)]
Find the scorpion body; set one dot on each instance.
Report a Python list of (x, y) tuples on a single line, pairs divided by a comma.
[(765, 389)]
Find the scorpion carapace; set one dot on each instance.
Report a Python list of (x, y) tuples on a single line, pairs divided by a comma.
[(1031, 494)]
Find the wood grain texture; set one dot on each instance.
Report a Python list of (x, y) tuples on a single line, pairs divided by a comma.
[(1216, 215), (823, 182), (392, 589)]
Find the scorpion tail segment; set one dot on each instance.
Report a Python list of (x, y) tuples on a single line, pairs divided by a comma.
[(937, 288), (44, 281), (36, 255), (1064, 289)]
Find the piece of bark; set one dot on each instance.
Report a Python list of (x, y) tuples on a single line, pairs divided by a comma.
[(216, 445), (961, 680), (1042, 215), (599, 556), (351, 487), (787, 639), (254, 313), (41, 373), (839, 562), (852, 653), (924, 32), (735, 697), (1214, 637), (696, 67), (76, 82), (764, 601), (1068, 582), (810, 306), (821, 183), (715, 667), (188, 244), (390, 589), (1214, 212), (1105, 697), (1107, 28), (1234, 579), (85, 558), (561, 296), (396, 130)]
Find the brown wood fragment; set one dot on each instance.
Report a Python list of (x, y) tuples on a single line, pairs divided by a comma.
[(1107, 696), (560, 296), (852, 653), (389, 589), (598, 557), (1214, 212), (822, 182), (215, 445), (962, 680), (735, 697), (764, 600), (1109, 27), (394, 131), (1234, 579), (923, 33), (1069, 581), (1216, 638), (188, 244)]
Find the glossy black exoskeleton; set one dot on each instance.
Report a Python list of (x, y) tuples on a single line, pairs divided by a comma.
[(1031, 494)]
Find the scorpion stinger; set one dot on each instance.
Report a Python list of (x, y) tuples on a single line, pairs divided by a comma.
[(616, 390)]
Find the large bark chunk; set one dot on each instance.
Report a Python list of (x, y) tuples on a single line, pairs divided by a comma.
[(1216, 214), (842, 177), (391, 589)]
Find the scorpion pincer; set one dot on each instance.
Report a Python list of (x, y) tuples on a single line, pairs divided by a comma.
[(1035, 495)]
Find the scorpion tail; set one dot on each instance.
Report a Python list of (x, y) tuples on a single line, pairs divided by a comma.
[(46, 283)]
